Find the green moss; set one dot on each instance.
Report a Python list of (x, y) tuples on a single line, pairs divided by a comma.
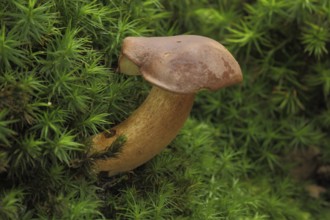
[(58, 86)]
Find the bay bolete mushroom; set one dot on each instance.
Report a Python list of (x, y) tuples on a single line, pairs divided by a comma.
[(177, 67)]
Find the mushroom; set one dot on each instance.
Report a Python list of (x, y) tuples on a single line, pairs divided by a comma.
[(177, 67)]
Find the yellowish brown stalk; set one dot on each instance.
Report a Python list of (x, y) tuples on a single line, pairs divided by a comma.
[(148, 131)]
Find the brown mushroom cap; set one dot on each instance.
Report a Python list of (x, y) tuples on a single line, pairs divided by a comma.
[(183, 63)]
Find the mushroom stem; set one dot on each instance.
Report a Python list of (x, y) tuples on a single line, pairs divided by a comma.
[(148, 131)]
